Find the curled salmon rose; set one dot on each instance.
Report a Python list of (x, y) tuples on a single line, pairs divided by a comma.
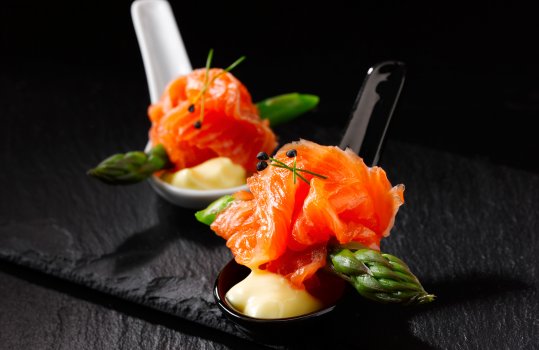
[(286, 227), (230, 125)]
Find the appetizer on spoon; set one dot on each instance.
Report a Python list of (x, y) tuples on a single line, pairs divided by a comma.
[(205, 130), (204, 124), (315, 210), (311, 209)]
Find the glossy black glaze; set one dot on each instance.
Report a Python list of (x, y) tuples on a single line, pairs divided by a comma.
[(267, 330), (373, 109)]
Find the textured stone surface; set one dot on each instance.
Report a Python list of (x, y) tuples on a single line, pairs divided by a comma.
[(468, 229), (49, 314)]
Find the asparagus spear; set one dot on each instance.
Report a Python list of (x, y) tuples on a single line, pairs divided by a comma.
[(380, 277), (208, 215), (131, 167), (283, 108)]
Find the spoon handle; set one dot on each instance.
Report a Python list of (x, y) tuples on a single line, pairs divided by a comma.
[(373, 109), (161, 44)]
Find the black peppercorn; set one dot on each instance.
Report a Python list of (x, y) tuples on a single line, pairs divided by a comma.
[(261, 165), (291, 153), (262, 156)]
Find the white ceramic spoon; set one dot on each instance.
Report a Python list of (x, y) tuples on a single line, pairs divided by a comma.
[(161, 44), (165, 58)]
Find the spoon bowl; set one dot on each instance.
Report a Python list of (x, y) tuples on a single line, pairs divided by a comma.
[(263, 329), (188, 198)]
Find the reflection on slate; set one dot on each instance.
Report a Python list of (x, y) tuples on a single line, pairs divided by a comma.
[(468, 229)]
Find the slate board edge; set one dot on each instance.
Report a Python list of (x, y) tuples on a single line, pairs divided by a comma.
[(73, 277)]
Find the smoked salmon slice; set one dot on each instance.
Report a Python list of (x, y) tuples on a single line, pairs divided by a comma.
[(286, 227), (231, 126)]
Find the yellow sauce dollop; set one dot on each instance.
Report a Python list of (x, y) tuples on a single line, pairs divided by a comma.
[(267, 295), (213, 174)]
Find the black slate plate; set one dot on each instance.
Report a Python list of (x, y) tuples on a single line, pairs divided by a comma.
[(468, 229)]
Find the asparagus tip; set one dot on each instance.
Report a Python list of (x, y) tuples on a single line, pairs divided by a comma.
[(425, 299)]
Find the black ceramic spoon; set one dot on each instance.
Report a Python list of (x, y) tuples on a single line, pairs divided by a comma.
[(373, 109), (365, 134)]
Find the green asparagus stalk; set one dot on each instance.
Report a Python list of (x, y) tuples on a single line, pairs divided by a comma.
[(207, 216), (283, 108), (380, 277), (131, 167)]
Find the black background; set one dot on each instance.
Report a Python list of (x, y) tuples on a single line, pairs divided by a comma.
[(472, 84)]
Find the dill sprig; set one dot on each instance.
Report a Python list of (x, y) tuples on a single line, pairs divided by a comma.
[(207, 84), (264, 159)]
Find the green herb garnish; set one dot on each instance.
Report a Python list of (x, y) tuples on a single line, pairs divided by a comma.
[(263, 164), (207, 83)]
